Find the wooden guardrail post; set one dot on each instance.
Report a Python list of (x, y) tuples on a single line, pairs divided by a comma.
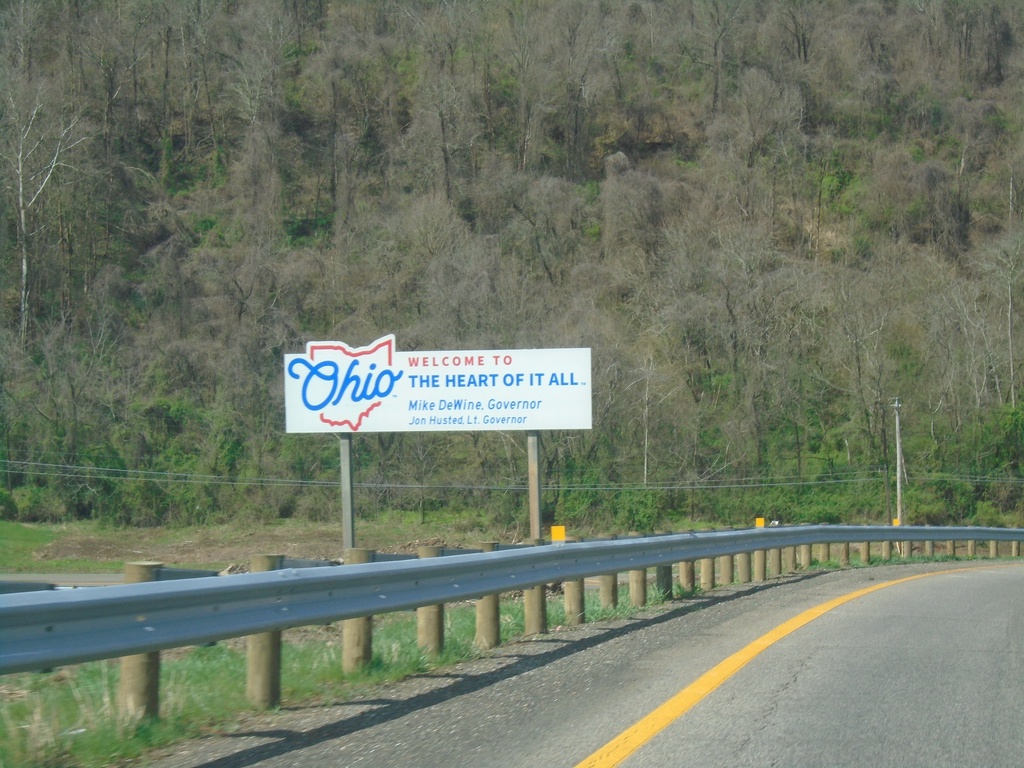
[(608, 590), (138, 690), (993, 548), (789, 559), (972, 548), (608, 584), (637, 581), (357, 634), (760, 565), (707, 573), (638, 587), (573, 593), (824, 552), (535, 605), (488, 614), (907, 548), (743, 567), (663, 575), (687, 576), (575, 605), (663, 580), (805, 556), (775, 561), (865, 553), (844, 555), (950, 548), (726, 569), (263, 652), (887, 550), (1014, 549), (929, 548), (430, 618)]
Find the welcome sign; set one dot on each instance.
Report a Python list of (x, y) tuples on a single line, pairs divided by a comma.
[(337, 388)]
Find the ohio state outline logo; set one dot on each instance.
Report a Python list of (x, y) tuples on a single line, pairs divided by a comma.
[(344, 385)]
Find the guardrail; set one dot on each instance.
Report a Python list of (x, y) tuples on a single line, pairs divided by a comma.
[(12, 587), (40, 630)]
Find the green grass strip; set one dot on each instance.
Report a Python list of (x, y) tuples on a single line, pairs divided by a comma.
[(69, 718)]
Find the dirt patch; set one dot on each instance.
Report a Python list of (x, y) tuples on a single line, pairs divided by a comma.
[(228, 547), (84, 548), (213, 548)]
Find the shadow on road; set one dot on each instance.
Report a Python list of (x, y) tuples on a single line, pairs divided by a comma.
[(385, 710)]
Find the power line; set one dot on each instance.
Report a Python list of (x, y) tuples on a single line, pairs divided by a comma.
[(80, 472), (844, 477)]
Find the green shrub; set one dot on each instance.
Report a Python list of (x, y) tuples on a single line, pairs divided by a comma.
[(640, 509), (39, 504), (986, 515), (8, 509)]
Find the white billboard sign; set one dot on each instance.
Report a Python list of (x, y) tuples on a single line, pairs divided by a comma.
[(337, 388)]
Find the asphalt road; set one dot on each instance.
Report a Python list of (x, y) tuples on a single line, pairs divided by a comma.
[(929, 672), (926, 673)]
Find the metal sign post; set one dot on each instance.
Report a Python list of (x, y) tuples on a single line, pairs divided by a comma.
[(533, 458), (348, 525)]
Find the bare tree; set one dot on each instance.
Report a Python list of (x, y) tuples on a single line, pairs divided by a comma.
[(767, 114), (633, 214), (1006, 265), (575, 48), (36, 138), (709, 44), (529, 77)]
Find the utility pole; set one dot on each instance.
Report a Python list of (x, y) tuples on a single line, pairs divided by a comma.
[(899, 465), (1009, 339), (880, 407)]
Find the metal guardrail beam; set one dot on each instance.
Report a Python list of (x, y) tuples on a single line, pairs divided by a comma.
[(296, 562), (14, 587), (45, 630), (165, 573)]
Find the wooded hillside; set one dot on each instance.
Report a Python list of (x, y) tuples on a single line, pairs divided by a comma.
[(768, 219)]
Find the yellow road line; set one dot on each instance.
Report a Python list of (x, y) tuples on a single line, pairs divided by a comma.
[(634, 737)]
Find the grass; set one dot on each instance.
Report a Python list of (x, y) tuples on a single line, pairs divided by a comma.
[(69, 718), (23, 548), (18, 544)]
